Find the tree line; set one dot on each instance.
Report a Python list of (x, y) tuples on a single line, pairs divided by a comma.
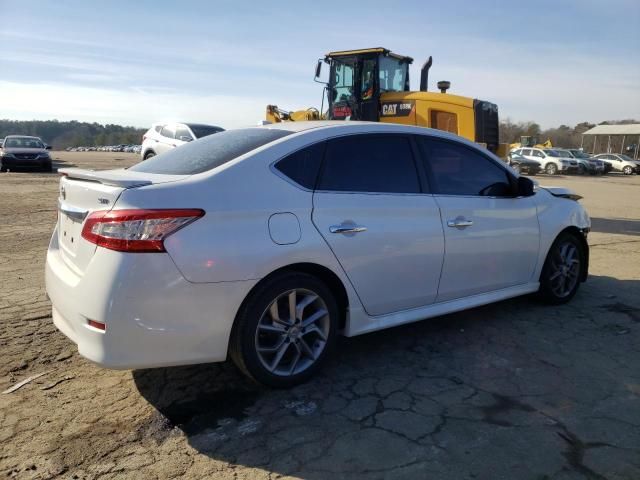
[(562, 136), (73, 133)]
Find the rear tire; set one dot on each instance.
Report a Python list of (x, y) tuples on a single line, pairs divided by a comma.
[(275, 348), (562, 270), (551, 169), (148, 155)]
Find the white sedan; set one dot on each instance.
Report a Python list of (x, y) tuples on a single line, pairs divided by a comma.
[(265, 243)]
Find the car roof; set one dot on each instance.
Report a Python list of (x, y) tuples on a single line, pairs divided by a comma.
[(22, 136)]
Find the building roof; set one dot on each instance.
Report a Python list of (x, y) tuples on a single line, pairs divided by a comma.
[(629, 129)]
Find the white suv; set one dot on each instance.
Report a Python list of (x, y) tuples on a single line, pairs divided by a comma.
[(552, 161), (162, 137)]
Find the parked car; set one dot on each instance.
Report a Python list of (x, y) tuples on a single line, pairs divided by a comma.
[(621, 162), (523, 165), (163, 137), (586, 164), (21, 151), (580, 154), (552, 162), (266, 243)]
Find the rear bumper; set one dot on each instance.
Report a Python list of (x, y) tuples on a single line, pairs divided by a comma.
[(153, 316)]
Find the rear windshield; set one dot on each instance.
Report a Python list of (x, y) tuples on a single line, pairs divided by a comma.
[(209, 152)]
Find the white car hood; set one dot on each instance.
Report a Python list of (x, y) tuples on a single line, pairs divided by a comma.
[(562, 192)]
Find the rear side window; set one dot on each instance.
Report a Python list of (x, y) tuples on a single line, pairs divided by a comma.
[(209, 152), (369, 163), (455, 169), (167, 132), (157, 128), (302, 166)]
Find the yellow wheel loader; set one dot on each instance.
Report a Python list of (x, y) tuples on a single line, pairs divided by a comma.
[(530, 142), (373, 84)]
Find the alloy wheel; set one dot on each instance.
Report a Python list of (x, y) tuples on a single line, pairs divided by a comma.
[(551, 169), (565, 269), (292, 332)]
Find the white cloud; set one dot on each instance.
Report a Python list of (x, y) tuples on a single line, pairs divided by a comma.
[(138, 107)]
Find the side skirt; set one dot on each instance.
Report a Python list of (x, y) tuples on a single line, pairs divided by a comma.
[(359, 322)]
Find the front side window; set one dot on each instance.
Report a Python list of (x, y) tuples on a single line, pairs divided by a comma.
[(369, 163), (537, 153), (203, 130), (183, 134), (455, 169), (393, 74), (168, 132)]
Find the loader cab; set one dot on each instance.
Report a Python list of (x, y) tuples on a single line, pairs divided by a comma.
[(357, 78)]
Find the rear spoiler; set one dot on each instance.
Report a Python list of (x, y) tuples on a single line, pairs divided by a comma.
[(117, 178)]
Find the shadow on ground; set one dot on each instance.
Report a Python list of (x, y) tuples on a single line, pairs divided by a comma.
[(502, 391), (616, 225)]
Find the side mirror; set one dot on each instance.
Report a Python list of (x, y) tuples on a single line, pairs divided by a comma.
[(48, 147), (185, 138), (318, 69), (525, 187)]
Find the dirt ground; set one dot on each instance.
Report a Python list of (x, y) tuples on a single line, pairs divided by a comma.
[(515, 390)]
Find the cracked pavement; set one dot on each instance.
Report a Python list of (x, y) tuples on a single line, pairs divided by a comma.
[(511, 390)]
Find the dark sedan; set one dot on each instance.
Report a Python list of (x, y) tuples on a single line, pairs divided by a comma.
[(524, 165), (20, 151)]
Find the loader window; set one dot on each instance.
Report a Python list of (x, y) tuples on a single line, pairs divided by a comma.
[(343, 81), (393, 75)]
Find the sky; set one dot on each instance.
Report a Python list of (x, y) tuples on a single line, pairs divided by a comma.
[(221, 62)]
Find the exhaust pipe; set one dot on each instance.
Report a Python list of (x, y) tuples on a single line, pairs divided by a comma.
[(424, 74)]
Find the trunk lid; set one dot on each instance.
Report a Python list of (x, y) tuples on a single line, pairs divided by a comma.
[(83, 192)]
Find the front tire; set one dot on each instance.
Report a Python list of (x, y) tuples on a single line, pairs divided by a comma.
[(551, 169), (627, 170), (149, 155), (285, 330), (562, 270)]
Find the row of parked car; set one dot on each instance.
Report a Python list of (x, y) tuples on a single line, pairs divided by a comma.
[(107, 148), (554, 161)]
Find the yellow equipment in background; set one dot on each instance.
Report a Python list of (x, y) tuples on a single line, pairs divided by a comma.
[(373, 84), (530, 142)]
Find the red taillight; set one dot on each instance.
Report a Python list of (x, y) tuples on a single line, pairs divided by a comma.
[(136, 230)]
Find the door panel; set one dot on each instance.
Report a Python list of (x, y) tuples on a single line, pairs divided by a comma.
[(491, 237), (498, 250), (395, 263)]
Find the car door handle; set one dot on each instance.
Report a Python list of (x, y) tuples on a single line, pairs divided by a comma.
[(347, 229), (459, 222)]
